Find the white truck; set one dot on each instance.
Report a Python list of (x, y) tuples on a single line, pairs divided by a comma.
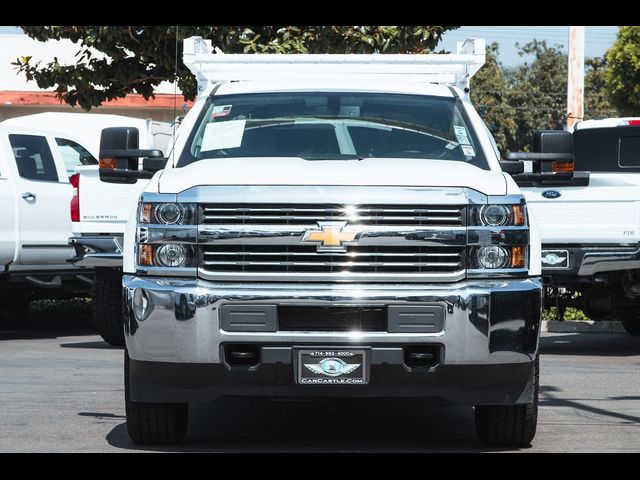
[(584, 188), (38, 154), (97, 225), (328, 225)]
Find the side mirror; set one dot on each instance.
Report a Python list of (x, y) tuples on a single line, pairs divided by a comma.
[(154, 164), (120, 154), (512, 167), (553, 141)]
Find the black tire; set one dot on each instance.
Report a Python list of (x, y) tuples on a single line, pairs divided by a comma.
[(106, 306), (630, 319), (154, 423), (509, 425), (14, 308)]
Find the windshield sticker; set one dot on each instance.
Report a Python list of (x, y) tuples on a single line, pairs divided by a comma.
[(451, 145), (218, 135), (468, 151), (461, 135), (221, 111)]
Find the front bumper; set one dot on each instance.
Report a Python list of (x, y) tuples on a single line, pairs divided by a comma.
[(488, 340), (583, 261)]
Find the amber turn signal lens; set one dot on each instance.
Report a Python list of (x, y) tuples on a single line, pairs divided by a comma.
[(518, 214), (562, 167), (146, 212), (108, 163), (518, 257), (145, 255)]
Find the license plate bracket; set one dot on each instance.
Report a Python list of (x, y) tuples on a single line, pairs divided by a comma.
[(332, 366)]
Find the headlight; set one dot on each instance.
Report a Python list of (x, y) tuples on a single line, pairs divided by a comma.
[(497, 215), (167, 213), (493, 257), (494, 215), (170, 255)]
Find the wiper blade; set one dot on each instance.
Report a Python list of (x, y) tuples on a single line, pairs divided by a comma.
[(332, 156)]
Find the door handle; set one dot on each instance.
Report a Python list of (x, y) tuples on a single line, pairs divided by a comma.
[(28, 196)]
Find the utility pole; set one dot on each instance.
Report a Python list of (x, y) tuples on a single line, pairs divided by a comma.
[(575, 81)]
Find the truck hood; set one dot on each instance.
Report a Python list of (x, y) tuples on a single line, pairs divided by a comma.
[(297, 171)]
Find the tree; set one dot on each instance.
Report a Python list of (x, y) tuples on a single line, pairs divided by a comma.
[(623, 74), (490, 96), (596, 97), (135, 59), (514, 102)]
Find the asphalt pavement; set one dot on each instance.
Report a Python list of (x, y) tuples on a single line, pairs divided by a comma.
[(61, 391)]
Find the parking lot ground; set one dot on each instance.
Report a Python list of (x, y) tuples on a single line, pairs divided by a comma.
[(61, 391)]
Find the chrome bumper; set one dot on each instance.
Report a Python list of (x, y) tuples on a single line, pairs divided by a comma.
[(596, 261), (97, 251), (486, 321), (588, 260)]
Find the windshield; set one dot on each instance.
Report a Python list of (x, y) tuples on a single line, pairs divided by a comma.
[(334, 126)]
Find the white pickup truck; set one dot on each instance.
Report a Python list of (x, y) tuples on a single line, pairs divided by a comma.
[(38, 155), (328, 225), (584, 188), (97, 224)]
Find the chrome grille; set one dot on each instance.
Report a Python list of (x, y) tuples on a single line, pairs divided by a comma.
[(305, 259), (272, 214)]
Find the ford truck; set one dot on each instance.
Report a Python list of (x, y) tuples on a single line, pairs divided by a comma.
[(583, 186)]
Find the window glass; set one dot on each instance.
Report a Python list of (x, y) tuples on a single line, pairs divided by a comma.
[(33, 157), (629, 152), (334, 126), (74, 154)]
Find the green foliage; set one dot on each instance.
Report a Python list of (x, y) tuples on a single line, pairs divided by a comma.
[(596, 97), (490, 95), (538, 92), (70, 305), (623, 75), (139, 58), (569, 314)]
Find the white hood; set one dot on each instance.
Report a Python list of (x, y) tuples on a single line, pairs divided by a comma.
[(297, 171)]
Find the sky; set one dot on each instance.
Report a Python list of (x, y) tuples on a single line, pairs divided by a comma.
[(597, 39)]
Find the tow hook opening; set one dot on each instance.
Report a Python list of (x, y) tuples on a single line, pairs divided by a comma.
[(421, 356), (242, 355)]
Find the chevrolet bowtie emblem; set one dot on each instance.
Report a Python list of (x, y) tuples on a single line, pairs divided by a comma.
[(330, 236)]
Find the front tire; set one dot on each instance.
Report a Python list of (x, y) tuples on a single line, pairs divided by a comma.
[(106, 307), (509, 425), (630, 319), (14, 307), (154, 423)]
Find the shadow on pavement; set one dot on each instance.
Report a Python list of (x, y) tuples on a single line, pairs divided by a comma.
[(599, 344), (348, 425), (547, 399), (99, 344)]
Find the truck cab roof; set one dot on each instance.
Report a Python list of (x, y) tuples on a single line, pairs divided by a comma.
[(608, 123)]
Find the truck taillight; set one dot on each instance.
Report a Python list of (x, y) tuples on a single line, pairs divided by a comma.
[(633, 123), (75, 198)]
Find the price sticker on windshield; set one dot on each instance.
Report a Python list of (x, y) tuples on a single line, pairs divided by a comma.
[(461, 135), (468, 151)]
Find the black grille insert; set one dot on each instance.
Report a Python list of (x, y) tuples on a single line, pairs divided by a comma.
[(332, 319)]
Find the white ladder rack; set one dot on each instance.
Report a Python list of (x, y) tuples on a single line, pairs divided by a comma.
[(454, 69)]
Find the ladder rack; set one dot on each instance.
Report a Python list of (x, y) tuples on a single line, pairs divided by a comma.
[(454, 69)]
